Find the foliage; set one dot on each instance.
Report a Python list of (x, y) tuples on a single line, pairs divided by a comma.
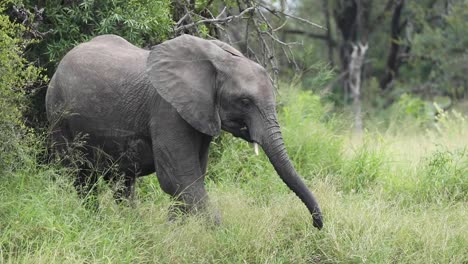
[(430, 60), (411, 111), (142, 22), (379, 195), (310, 132), (366, 165), (438, 49), (398, 195), (15, 74), (65, 24), (446, 175)]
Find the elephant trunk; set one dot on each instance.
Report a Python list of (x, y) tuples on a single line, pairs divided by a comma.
[(273, 145)]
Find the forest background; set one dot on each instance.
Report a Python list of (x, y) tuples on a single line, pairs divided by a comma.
[(372, 99)]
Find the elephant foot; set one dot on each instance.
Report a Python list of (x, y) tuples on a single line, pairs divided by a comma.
[(178, 213)]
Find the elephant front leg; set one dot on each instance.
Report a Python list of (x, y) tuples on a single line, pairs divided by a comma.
[(180, 155), (180, 175), (180, 162)]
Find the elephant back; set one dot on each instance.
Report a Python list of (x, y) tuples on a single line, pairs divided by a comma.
[(97, 78), (110, 53)]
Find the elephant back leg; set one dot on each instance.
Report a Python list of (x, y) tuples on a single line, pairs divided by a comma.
[(124, 188), (135, 161), (71, 153), (85, 185)]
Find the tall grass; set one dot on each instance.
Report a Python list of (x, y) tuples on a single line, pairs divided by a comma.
[(388, 199)]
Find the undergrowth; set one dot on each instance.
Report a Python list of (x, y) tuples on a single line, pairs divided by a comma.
[(388, 198)]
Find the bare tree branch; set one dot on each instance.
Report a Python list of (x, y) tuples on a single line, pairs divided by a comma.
[(260, 40), (276, 12), (282, 25), (182, 19), (310, 34), (213, 20)]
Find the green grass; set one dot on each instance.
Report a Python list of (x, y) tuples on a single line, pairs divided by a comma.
[(388, 198)]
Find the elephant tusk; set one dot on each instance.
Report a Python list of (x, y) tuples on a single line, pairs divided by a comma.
[(256, 148)]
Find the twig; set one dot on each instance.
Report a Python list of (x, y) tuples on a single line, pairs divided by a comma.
[(275, 12), (332, 83), (279, 41), (182, 19), (220, 14), (311, 35), (261, 31), (282, 25), (213, 20)]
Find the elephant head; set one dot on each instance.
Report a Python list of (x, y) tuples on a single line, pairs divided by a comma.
[(213, 87)]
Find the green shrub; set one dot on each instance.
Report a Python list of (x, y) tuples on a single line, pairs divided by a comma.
[(363, 168), (142, 22), (15, 74), (450, 123), (409, 111), (444, 176), (438, 60), (310, 133)]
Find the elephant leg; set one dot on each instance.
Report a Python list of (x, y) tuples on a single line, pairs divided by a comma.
[(204, 151), (62, 148), (85, 185), (177, 156), (182, 179), (203, 154), (125, 189), (59, 147)]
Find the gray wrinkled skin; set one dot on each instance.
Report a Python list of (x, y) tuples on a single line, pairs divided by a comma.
[(157, 111)]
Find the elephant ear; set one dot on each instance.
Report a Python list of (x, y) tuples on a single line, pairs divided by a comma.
[(228, 48), (183, 71)]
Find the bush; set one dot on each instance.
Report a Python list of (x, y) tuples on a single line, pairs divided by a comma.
[(450, 123), (438, 49), (15, 74), (445, 176), (362, 170), (142, 22), (310, 132)]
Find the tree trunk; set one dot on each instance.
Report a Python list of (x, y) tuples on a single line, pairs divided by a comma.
[(393, 63), (354, 83), (352, 20), (328, 34)]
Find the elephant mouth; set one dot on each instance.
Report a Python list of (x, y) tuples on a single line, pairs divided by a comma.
[(238, 128), (245, 134)]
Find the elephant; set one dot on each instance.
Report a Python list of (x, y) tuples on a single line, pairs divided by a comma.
[(157, 110)]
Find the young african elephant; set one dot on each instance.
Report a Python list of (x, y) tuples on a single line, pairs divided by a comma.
[(157, 111)]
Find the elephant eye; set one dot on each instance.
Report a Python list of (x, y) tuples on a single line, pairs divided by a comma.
[(245, 102)]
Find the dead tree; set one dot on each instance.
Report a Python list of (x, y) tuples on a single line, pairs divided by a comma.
[(356, 63), (352, 20), (260, 22)]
